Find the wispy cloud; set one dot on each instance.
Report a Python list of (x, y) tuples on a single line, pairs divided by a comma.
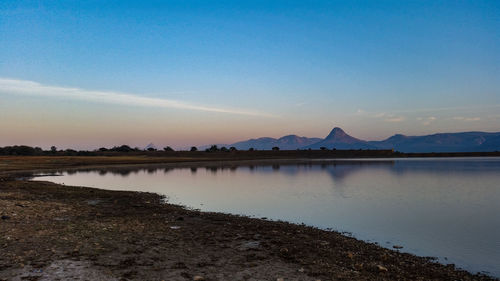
[(461, 118), (395, 119), (455, 108), (426, 121), (389, 117), (30, 88)]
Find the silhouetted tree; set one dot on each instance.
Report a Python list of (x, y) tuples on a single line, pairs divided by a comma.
[(276, 148), (323, 148), (70, 152), (102, 149), (168, 149), (251, 149), (232, 148), (213, 148), (123, 148), (53, 149), (194, 148), (151, 149), (38, 150)]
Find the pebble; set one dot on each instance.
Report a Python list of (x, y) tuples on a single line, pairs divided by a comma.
[(381, 268), (198, 278)]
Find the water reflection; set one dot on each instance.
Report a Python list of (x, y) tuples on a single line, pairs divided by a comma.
[(433, 207), (339, 168)]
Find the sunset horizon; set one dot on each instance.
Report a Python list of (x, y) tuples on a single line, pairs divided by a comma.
[(190, 73)]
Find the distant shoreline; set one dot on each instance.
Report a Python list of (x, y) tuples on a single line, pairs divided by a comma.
[(22, 166)]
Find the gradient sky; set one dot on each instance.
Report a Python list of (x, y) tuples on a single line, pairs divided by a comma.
[(85, 74)]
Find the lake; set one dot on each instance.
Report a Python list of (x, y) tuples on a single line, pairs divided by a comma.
[(447, 208)]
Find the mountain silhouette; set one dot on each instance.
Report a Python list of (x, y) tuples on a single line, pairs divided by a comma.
[(290, 142), (339, 139), (442, 142)]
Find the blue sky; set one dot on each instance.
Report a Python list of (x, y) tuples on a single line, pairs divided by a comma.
[(87, 73)]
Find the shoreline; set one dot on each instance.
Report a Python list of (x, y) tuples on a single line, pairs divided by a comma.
[(127, 235)]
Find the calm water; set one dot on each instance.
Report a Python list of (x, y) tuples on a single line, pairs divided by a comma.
[(446, 208)]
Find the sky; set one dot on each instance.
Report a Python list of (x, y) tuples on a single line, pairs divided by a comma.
[(87, 74)]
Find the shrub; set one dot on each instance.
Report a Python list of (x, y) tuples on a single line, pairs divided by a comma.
[(213, 148)]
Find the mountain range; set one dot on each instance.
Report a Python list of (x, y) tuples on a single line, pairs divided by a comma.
[(339, 139)]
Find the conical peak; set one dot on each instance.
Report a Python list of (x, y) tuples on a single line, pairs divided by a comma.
[(336, 132)]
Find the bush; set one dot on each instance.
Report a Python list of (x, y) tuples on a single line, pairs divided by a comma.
[(20, 150), (213, 148), (123, 148)]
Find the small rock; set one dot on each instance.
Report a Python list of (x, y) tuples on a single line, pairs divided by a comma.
[(249, 245), (175, 227), (301, 269), (198, 278), (381, 268), (5, 217), (359, 266), (397, 247), (280, 279)]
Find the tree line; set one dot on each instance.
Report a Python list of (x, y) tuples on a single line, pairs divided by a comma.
[(28, 150), (33, 151)]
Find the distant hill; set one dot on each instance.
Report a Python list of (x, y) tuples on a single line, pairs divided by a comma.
[(443, 142), (150, 145), (290, 142), (339, 139)]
